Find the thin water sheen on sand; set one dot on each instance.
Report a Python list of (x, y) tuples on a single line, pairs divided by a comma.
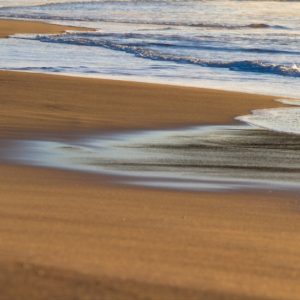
[(199, 158)]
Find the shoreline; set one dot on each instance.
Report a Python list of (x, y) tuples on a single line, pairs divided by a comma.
[(122, 235), (10, 27), (123, 169), (69, 234), (65, 113), (35, 26), (157, 82)]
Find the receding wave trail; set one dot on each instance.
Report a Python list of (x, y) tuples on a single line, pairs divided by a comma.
[(284, 120), (96, 40), (197, 158), (201, 158)]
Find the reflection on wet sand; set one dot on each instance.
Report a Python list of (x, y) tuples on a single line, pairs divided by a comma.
[(199, 158)]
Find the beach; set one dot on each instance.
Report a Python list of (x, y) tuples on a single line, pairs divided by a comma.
[(72, 235), (9, 27)]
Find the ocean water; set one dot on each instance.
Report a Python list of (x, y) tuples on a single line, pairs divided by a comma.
[(249, 46), (284, 120)]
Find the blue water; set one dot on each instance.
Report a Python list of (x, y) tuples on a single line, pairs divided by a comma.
[(235, 45)]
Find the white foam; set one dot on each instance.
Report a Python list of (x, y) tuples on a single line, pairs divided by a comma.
[(285, 120), (295, 102)]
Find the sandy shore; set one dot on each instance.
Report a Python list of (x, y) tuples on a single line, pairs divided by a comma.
[(9, 27), (67, 235), (47, 103)]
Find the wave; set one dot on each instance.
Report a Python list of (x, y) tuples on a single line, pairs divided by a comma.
[(5, 13), (285, 120), (174, 41), (252, 26), (146, 53), (58, 69)]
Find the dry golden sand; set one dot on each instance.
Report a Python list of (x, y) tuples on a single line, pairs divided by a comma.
[(67, 235)]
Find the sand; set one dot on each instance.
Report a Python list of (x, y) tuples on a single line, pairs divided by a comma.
[(41, 103), (67, 235), (9, 27)]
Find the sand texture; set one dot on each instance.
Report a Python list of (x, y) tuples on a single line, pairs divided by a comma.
[(41, 103), (67, 235), (10, 27)]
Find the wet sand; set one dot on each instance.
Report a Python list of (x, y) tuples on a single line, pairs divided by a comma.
[(67, 235), (47, 103), (9, 27)]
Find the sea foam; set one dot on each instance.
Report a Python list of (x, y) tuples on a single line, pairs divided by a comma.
[(285, 119), (146, 51), (233, 45), (295, 102)]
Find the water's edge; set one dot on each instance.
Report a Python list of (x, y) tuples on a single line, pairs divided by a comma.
[(204, 158)]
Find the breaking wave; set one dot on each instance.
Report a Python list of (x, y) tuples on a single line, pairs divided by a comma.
[(139, 50)]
